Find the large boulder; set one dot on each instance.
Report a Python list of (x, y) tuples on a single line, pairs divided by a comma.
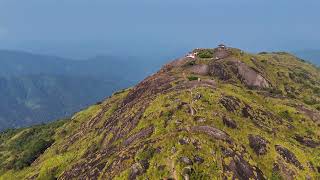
[(248, 76)]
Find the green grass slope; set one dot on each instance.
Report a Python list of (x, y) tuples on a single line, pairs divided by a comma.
[(224, 114)]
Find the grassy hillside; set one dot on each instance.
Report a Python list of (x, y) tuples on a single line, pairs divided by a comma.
[(20, 147), (225, 114)]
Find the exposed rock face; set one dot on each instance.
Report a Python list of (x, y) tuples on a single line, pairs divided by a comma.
[(307, 141), (201, 69), (240, 168), (142, 134), (235, 68), (231, 103), (288, 156), (249, 76), (220, 70), (194, 84), (212, 132), (258, 144), (261, 118), (229, 122), (312, 114), (283, 170), (221, 53), (243, 170), (136, 170)]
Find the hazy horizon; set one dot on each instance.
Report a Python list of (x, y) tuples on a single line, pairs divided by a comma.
[(83, 28)]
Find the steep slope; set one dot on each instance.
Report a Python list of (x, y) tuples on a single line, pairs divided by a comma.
[(223, 114)]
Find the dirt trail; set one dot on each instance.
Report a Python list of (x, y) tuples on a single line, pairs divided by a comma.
[(172, 167)]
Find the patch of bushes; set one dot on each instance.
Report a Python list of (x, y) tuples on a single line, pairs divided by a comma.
[(205, 54), (310, 100), (263, 52), (275, 91), (27, 146), (286, 115), (197, 173), (31, 153), (145, 154), (190, 63), (192, 78), (316, 90)]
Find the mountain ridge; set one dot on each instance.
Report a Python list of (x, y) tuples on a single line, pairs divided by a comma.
[(213, 114)]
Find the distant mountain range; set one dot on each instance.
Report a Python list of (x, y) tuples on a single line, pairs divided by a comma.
[(39, 88)]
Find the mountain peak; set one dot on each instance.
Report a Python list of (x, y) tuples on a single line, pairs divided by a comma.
[(213, 113), (227, 64)]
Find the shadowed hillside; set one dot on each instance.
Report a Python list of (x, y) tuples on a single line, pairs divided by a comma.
[(38, 88)]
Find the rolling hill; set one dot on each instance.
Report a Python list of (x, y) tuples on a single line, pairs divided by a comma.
[(222, 114)]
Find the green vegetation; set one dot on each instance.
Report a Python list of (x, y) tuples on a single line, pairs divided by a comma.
[(205, 53), (172, 128), (19, 148), (192, 78)]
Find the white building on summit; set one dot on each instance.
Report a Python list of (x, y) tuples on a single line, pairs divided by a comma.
[(192, 55), (222, 46)]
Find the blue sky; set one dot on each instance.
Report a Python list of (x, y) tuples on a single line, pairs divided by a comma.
[(83, 28)]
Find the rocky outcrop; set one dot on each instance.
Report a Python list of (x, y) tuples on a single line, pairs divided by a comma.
[(306, 141), (227, 69), (258, 144), (312, 114), (142, 134), (136, 170), (239, 167), (229, 122), (288, 156), (248, 76), (211, 132), (261, 118), (200, 69), (283, 171), (231, 103), (220, 71), (242, 170)]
